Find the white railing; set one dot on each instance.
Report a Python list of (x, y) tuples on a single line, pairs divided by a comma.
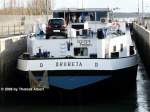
[(6, 30)]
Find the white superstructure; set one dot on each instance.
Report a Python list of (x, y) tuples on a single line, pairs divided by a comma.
[(93, 48), (102, 54)]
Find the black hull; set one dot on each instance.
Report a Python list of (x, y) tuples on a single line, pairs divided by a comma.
[(122, 82), (119, 78)]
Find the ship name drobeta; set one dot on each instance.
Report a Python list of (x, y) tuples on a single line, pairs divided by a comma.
[(68, 64)]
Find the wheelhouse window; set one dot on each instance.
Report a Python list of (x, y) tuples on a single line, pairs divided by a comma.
[(56, 22), (81, 51), (121, 47), (114, 48)]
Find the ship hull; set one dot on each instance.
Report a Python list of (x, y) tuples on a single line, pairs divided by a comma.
[(70, 74), (86, 79)]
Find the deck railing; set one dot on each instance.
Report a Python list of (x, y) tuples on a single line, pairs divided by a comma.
[(6, 30)]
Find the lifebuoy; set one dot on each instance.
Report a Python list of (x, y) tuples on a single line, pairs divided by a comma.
[(115, 24)]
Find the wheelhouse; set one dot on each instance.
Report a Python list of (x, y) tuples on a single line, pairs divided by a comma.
[(81, 15)]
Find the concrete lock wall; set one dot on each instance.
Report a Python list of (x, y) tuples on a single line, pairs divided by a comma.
[(17, 24), (142, 39), (26, 19), (10, 49)]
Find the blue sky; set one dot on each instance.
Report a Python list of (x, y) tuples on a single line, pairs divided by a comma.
[(124, 5)]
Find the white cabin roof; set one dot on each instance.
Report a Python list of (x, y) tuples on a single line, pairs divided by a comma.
[(81, 9)]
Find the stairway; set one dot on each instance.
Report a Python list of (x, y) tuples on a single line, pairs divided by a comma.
[(63, 49)]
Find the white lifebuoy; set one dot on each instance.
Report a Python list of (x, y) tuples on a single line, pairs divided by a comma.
[(115, 24)]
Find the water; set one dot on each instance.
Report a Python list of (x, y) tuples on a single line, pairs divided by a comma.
[(142, 91), (135, 100)]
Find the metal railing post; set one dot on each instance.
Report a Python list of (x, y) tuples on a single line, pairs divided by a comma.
[(19, 29), (2, 30), (14, 29), (8, 29), (32, 28)]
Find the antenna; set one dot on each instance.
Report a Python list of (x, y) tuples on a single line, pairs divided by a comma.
[(52, 4), (82, 4), (142, 12), (47, 10), (4, 4), (138, 7), (138, 10)]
